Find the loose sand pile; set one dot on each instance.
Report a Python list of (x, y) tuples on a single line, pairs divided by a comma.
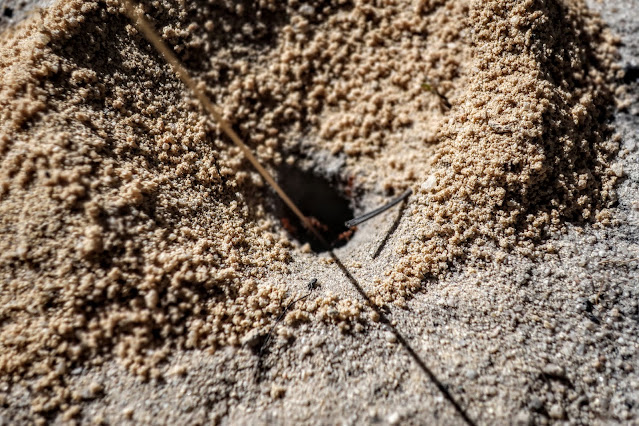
[(130, 226), (527, 145)]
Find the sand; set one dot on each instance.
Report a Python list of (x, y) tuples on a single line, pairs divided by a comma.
[(134, 233)]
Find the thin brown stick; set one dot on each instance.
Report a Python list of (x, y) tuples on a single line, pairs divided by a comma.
[(151, 35)]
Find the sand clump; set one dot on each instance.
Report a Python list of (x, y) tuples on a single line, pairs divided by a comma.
[(130, 226)]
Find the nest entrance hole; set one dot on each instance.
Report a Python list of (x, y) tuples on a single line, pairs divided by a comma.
[(322, 201)]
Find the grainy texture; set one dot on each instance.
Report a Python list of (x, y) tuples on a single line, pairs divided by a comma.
[(132, 233), (528, 145)]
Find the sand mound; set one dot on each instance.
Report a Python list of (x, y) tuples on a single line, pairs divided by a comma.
[(527, 146), (130, 226)]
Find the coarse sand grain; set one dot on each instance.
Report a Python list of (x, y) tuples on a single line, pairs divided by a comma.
[(129, 226)]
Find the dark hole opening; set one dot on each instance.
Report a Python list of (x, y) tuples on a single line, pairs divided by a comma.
[(631, 74), (321, 201), (8, 12)]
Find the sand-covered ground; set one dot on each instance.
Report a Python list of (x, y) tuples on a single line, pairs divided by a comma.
[(144, 264)]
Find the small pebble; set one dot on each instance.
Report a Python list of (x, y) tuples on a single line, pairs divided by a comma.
[(523, 418), (93, 390), (307, 10), (252, 339), (556, 412), (617, 169), (429, 184), (277, 391), (128, 412), (393, 418), (151, 299), (306, 349), (536, 404), (554, 370)]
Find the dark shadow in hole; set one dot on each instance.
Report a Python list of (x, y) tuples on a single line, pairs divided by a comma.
[(8, 12), (321, 201), (631, 74)]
